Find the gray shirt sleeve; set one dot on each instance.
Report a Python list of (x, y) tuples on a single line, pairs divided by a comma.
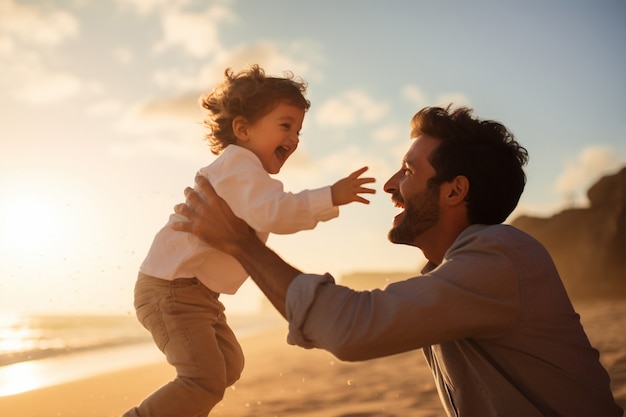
[(474, 293), (300, 296)]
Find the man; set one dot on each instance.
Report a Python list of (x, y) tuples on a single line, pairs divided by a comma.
[(489, 311)]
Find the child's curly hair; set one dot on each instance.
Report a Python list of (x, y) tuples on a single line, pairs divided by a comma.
[(249, 94)]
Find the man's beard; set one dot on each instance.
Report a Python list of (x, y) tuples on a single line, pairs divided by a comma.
[(421, 212)]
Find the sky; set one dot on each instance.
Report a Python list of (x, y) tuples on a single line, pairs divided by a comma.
[(100, 130)]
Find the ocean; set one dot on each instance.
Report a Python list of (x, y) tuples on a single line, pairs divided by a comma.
[(26, 338), (42, 350)]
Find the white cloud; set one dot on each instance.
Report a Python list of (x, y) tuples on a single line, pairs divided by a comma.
[(35, 24), (49, 88), (160, 116), (275, 58), (162, 128), (159, 128), (571, 186), (94, 87), (196, 33), (592, 163), (183, 107), (456, 99), (7, 46), (415, 95), (146, 7), (391, 133), (28, 35), (179, 115), (350, 108), (108, 107), (180, 79), (122, 54)]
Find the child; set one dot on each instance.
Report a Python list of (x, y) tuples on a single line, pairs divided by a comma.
[(253, 125)]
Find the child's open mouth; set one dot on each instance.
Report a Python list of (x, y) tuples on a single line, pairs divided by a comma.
[(282, 153)]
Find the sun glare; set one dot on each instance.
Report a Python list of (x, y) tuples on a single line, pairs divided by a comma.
[(28, 223), (36, 222)]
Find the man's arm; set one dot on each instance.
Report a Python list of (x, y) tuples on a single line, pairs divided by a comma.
[(212, 220)]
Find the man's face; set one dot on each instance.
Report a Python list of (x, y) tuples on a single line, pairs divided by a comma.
[(421, 212), (409, 190)]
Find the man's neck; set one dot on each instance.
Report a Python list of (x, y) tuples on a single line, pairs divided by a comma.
[(435, 242)]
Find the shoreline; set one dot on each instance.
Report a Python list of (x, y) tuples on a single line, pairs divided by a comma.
[(93, 361), (282, 380), (35, 374), (278, 380)]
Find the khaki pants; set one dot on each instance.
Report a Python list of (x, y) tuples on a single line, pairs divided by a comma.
[(188, 325)]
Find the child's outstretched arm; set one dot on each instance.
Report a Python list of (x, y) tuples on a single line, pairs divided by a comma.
[(348, 189)]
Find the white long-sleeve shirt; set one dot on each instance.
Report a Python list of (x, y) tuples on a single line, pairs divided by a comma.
[(237, 176)]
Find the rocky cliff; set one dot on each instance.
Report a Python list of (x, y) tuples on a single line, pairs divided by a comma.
[(588, 244)]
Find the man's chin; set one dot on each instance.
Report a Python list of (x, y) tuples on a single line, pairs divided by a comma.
[(398, 235)]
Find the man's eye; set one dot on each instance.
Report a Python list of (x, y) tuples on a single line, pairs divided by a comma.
[(286, 126), (406, 172)]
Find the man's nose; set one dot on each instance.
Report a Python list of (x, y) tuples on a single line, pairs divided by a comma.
[(391, 185)]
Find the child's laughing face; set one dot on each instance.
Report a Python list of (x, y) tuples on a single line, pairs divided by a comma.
[(275, 136)]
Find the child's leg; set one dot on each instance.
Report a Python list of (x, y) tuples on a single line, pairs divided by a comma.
[(231, 350), (182, 323)]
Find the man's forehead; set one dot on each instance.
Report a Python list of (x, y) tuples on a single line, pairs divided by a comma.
[(417, 149), (420, 150)]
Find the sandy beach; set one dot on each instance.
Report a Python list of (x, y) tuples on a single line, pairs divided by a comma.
[(282, 380)]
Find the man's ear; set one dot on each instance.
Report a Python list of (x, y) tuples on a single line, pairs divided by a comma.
[(240, 128), (457, 190)]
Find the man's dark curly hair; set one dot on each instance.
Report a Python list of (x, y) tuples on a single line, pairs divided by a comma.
[(484, 151)]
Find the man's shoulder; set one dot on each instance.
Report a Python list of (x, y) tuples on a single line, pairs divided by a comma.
[(503, 234), (495, 231), (497, 247)]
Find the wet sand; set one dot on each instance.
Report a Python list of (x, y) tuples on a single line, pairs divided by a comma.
[(282, 380)]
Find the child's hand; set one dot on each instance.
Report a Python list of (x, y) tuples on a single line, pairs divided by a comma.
[(347, 190)]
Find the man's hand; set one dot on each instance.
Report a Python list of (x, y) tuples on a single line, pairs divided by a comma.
[(211, 219), (348, 190)]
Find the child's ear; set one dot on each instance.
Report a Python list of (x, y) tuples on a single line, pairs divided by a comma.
[(240, 128)]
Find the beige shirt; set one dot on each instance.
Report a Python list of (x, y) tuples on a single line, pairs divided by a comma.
[(239, 178), (494, 322)]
